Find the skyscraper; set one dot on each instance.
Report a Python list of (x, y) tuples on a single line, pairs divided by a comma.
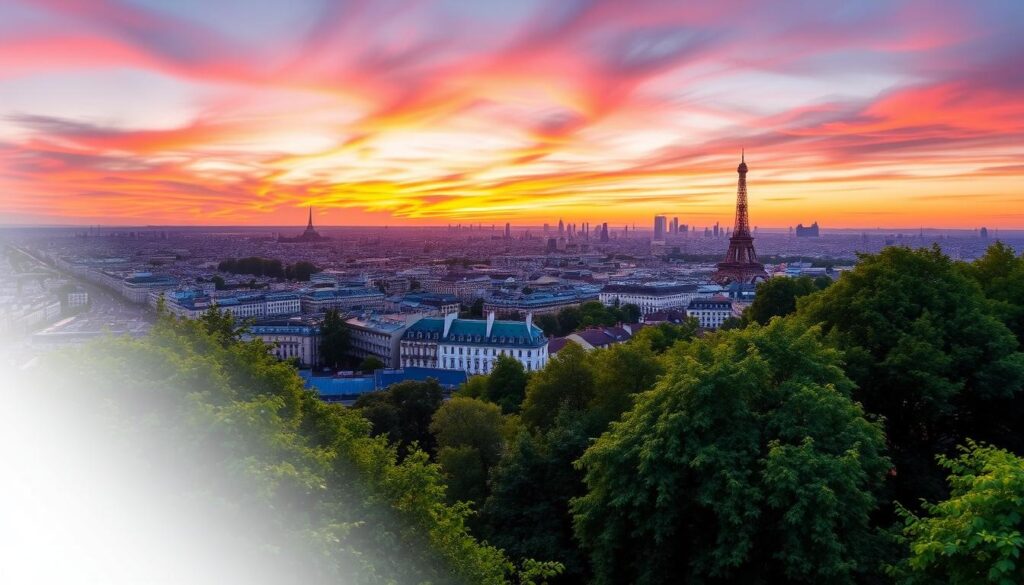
[(659, 228), (508, 231), (740, 264)]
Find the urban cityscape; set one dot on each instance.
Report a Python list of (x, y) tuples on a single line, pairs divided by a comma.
[(521, 293)]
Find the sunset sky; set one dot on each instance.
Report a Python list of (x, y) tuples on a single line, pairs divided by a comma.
[(229, 112)]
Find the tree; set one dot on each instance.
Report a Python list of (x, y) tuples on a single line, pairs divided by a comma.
[(927, 353), (219, 324), (776, 297), (747, 463), (506, 384), (975, 537), (1000, 272), (333, 339), (371, 364), (476, 310), (548, 324), (227, 422), (621, 372), (403, 413), (475, 387), (469, 440), (528, 508), (566, 382), (664, 335)]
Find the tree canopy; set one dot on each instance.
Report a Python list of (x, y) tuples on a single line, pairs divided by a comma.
[(927, 353), (975, 537), (748, 463), (776, 297)]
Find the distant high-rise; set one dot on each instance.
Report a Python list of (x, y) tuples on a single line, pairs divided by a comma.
[(740, 264), (659, 228), (810, 231), (604, 232), (508, 231), (983, 232), (675, 226), (561, 228)]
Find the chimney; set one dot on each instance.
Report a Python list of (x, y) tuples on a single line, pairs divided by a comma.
[(529, 324), (490, 323), (448, 320)]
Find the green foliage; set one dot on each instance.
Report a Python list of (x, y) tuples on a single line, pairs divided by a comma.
[(370, 364), (237, 430), (268, 267), (589, 314), (664, 335), (528, 510), (220, 325), (469, 442), (1000, 272), (334, 339), (776, 297), (747, 463), (976, 537), (403, 413), (926, 352), (475, 387), (506, 384), (567, 382)]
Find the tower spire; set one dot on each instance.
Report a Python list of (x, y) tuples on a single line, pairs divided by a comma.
[(309, 225), (740, 264)]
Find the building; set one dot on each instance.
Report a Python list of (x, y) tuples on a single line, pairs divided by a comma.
[(472, 345), (659, 228), (464, 287), (651, 297), (423, 303), (77, 297), (740, 263), (136, 288), (538, 303), (710, 313), (193, 303), (375, 337), (810, 231), (296, 337), (341, 299)]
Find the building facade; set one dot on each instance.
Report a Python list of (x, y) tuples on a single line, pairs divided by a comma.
[(710, 313), (650, 297), (342, 299), (539, 303), (472, 345), (296, 338), (370, 337)]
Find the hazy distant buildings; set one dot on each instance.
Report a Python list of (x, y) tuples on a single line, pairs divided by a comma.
[(659, 228), (810, 231)]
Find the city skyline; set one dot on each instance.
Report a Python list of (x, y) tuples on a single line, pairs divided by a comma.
[(886, 115)]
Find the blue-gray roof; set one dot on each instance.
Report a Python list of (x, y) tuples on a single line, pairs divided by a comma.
[(473, 331)]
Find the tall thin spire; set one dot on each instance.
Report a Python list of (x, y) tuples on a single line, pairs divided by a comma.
[(309, 226)]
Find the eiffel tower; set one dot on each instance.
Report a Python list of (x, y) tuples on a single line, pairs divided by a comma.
[(740, 264)]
